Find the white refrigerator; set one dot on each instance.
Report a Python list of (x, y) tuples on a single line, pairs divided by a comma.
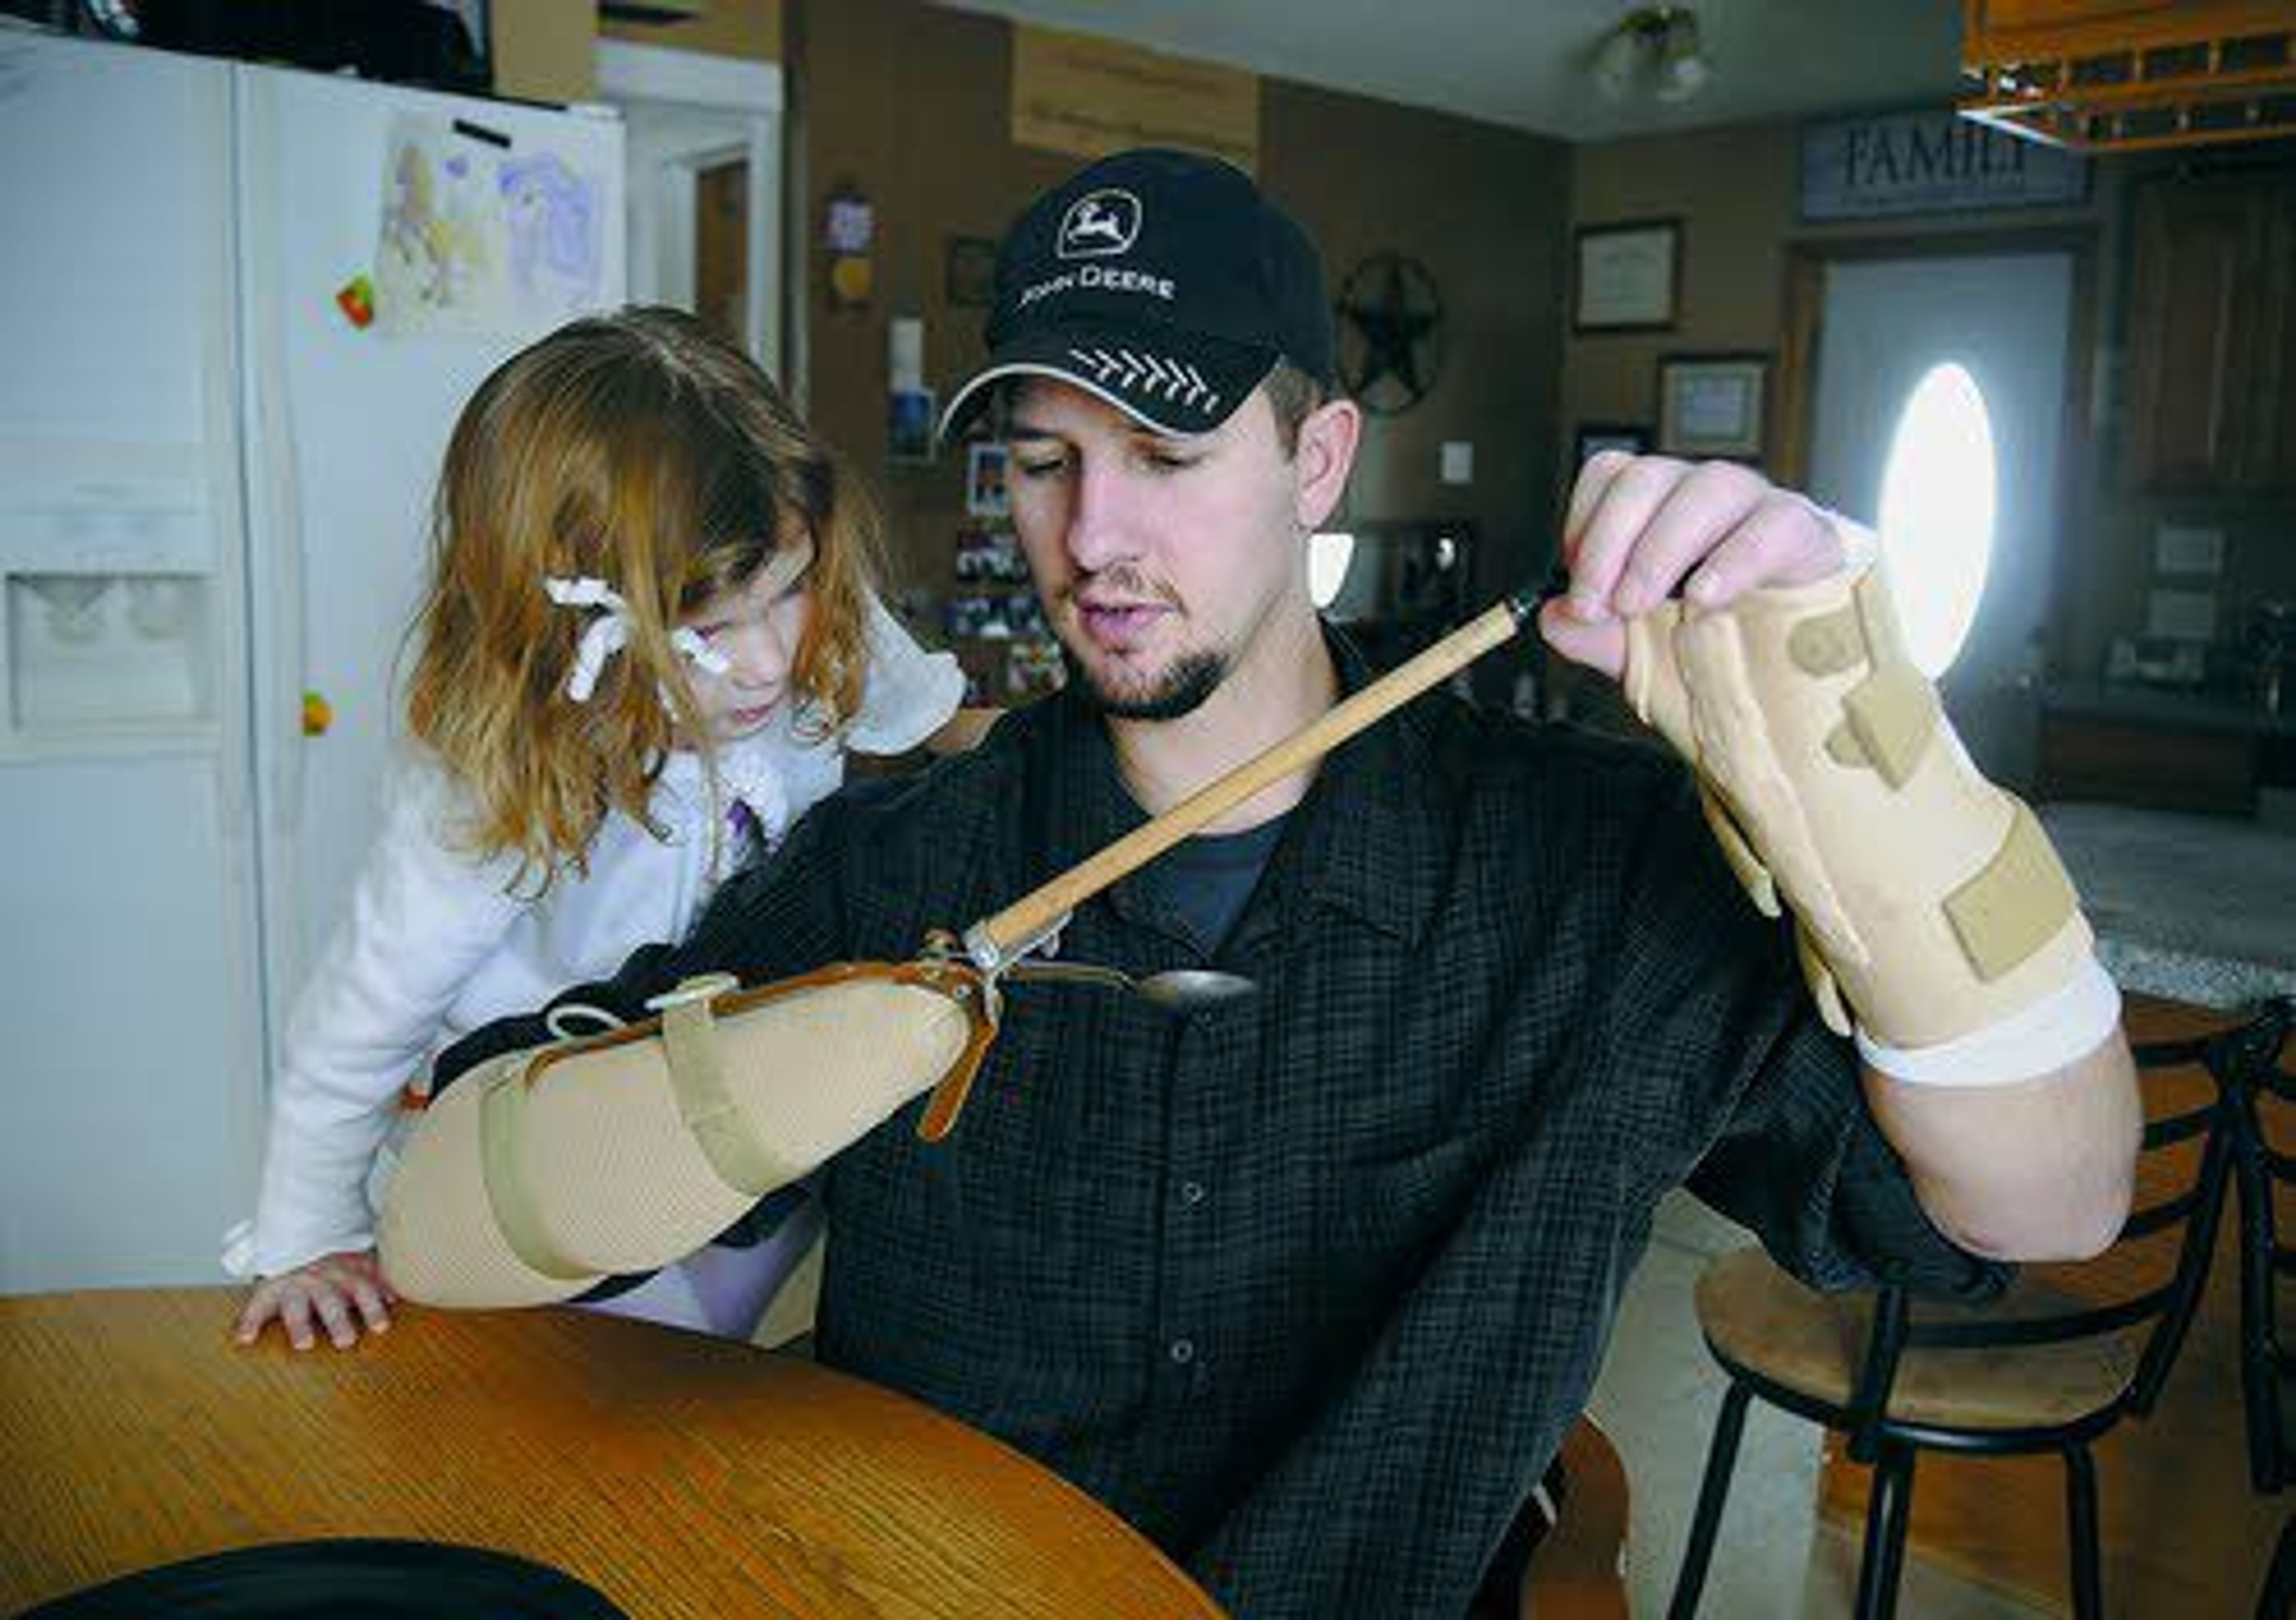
[(215, 490)]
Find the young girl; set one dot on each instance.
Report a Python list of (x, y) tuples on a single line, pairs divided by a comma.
[(647, 642)]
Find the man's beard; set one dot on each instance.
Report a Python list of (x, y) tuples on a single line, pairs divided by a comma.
[(1182, 689)]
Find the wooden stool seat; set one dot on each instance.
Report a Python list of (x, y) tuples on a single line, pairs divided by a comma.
[(1765, 1323)]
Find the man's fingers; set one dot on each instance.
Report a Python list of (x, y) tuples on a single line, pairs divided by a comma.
[(1700, 511), (1597, 647), (1785, 542), (1595, 476), (1613, 533)]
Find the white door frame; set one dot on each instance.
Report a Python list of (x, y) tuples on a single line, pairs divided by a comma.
[(661, 219)]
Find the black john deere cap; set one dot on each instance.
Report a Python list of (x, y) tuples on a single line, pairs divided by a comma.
[(1161, 281)]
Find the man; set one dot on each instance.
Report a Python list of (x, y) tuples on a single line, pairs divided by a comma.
[(1310, 1285)]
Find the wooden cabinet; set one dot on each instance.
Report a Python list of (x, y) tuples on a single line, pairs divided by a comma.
[(2013, 29), (2212, 332)]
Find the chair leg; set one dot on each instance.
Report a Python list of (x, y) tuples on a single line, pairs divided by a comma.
[(1887, 1513), (2258, 1359), (2081, 1527), (1713, 1490), (2279, 1594)]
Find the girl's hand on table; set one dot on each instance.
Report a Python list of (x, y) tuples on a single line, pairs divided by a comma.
[(342, 1290)]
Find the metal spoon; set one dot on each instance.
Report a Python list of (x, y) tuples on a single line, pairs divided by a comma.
[(1178, 989)]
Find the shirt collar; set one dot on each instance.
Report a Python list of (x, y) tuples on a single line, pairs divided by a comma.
[(1362, 841), (1370, 846)]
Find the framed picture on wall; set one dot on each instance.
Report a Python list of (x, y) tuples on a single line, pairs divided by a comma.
[(1712, 405), (969, 271), (1592, 437), (984, 479), (1627, 275)]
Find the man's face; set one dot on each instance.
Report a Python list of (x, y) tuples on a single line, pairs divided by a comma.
[(1161, 560)]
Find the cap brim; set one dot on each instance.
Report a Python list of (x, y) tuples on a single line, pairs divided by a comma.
[(1163, 391)]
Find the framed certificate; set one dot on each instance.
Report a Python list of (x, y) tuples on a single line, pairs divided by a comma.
[(1712, 405), (1626, 276)]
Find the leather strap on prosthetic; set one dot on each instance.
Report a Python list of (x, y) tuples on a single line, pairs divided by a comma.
[(537, 1175), (1926, 898)]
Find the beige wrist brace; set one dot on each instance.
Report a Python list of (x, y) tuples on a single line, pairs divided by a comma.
[(1928, 900), (539, 1174)]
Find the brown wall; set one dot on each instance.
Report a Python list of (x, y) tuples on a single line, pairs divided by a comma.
[(908, 103), (1736, 190), (723, 28)]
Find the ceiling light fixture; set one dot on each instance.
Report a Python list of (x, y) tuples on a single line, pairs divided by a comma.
[(1654, 46)]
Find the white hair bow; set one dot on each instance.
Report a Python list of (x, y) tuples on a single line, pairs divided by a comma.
[(609, 633)]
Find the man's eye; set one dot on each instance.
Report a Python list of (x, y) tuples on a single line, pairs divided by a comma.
[(1038, 466), (1171, 461)]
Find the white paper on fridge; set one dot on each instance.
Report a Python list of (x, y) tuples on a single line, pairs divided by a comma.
[(479, 235)]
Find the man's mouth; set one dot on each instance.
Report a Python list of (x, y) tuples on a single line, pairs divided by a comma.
[(1121, 624)]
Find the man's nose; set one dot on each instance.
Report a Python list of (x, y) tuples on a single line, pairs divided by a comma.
[(1104, 527)]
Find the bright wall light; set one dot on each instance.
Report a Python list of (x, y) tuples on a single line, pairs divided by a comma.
[(1328, 556), (1938, 491)]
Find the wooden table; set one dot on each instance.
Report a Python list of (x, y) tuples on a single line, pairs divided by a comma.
[(678, 1475)]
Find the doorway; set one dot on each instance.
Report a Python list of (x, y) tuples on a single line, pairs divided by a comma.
[(704, 142), (1872, 323)]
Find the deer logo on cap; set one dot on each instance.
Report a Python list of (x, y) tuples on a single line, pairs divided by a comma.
[(1098, 224)]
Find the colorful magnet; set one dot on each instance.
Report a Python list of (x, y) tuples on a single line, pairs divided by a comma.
[(356, 301)]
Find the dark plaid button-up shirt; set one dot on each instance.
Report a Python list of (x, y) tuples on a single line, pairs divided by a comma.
[(1308, 1286)]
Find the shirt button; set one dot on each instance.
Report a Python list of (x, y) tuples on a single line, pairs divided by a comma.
[(1191, 1193), (1182, 1352)]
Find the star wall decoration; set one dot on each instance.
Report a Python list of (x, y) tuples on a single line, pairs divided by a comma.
[(1390, 333)]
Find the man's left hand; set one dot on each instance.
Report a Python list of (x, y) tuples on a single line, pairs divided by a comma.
[(1639, 526)]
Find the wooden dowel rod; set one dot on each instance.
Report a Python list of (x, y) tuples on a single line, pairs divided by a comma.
[(991, 941)]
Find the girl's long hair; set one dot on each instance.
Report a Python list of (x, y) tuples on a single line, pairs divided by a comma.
[(641, 450)]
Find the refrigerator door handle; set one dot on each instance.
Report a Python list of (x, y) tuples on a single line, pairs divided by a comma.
[(276, 562)]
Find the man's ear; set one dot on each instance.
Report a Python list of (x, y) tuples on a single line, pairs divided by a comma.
[(1325, 455)]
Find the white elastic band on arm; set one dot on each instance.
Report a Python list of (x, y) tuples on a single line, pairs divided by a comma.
[(2044, 1038)]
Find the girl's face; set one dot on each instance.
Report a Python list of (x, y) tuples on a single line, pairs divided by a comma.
[(755, 627)]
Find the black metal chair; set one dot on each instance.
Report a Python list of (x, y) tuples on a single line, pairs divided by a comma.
[(2262, 1087), (2279, 1595), (2033, 1371)]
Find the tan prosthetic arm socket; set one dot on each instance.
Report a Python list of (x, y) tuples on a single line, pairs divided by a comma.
[(1926, 898), (539, 1174)]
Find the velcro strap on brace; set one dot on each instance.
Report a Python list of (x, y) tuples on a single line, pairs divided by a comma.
[(509, 1195), (1926, 898), (739, 1156)]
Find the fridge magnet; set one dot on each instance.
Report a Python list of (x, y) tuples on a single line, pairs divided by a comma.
[(355, 299), (984, 480)]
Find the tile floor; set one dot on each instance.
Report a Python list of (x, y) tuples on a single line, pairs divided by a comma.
[(1657, 1397)]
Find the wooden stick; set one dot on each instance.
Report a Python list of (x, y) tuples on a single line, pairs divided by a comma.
[(994, 940)]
